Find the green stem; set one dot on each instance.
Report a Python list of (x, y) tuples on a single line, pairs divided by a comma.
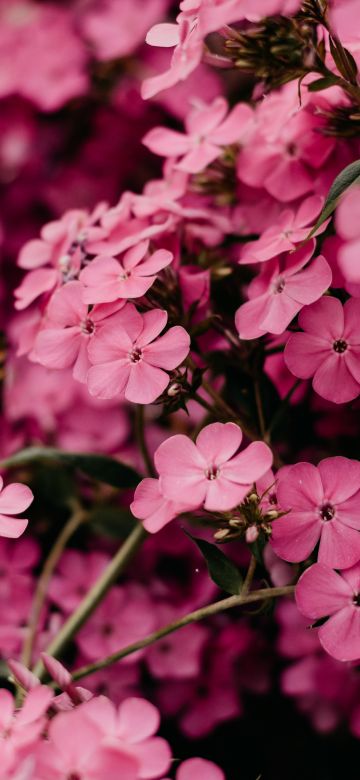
[(95, 596), (77, 518), (192, 617)]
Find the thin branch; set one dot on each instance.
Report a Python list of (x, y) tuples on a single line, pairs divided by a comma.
[(192, 617)]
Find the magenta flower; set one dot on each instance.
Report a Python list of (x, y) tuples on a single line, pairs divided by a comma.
[(63, 343), (106, 279), (130, 361), (186, 56), (321, 592), (23, 727), (14, 499), (208, 130), (280, 291), (329, 349), (150, 506), (199, 768), (209, 472), (290, 229), (324, 505)]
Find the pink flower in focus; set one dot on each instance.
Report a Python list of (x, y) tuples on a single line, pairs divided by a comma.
[(290, 229), (208, 471), (208, 130), (324, 505), (106, 279), (280, 291), (320, 593), (329, 348), (14, 498), (150, 506), (70, 326), (130, 361)]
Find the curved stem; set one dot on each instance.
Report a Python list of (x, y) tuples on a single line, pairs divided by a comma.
[(249, 576), (77, 518), (192, 617), (95, 595)]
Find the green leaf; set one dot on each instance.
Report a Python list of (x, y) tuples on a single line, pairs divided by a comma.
[(222, 571), (323, 83), (349, 176), (100, 467), (114, 522)]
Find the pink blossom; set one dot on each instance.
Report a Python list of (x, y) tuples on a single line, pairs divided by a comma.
[(177, 656), (329, 348), (129, 361), (280, 291), (200, 769), (56, 256), (321, 592), (208, 130), (323, 504), (23, 727), (290, 229), (116, 29), (75, 574), (186, 57), (69, 328), (209, 472), (14, 499), (150, 506), (347, 226), (104, 633), (106, 279)]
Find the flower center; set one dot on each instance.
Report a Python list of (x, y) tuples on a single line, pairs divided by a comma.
[(279, 285), (340, 346), (327, 512), (356, 600), (135, 355), (87, 327), (123, 276), (212, 473)]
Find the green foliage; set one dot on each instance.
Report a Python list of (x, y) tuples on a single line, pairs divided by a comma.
[(222, 570)]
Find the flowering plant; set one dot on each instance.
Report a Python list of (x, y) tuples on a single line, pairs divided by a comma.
[(180, 382)]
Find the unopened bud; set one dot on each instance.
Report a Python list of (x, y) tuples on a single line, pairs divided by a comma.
[(253, 498), (271, 515), (251, 534), (221, 534), (174, 389)]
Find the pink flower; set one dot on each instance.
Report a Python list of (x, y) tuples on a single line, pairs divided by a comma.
[(23, 727), (186, 57), (329, 349), (117, 29), (347, 226), (209, 472), (130, 361), (208, 130), (324, 505), (150, 506), (76, 573), (107, 279), (70, 327), (290, 229), (76, 748), (14, 498), (280, 291), (133, 726), (200, 769), (320, 593)]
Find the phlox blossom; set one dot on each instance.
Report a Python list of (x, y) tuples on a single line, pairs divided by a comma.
[(209, 472), (185, 37), (321, 592), (150, 506), (130, 361), (280, 291), (69, 327), (323, 503), (199, 768), (289, 229), (329, 349), (208, 130), (14, 498), (23, 727), (106, 279)]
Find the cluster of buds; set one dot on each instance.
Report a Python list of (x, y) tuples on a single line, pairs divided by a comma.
[(249, 520)]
